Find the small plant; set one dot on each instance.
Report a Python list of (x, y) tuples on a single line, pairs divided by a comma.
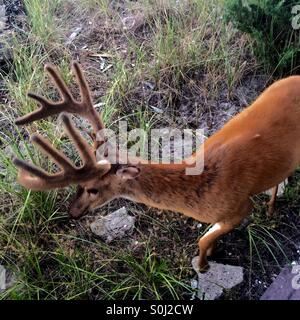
[(269, 23)]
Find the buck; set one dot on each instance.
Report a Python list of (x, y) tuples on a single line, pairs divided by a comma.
[(253, 152)]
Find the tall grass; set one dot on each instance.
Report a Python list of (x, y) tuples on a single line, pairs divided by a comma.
[(42, 19)]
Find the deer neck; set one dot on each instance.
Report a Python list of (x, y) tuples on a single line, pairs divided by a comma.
[(168, 186)]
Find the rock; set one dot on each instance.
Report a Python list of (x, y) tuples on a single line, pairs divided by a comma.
[(286, 286), (194, 284), (7, 279), (99, 105), (73, 35), (212, 283), (3, 17), (2, 278), (9, 152), (133, 22), (113, 226), (157, 110), (147, 85), (281, 188), (5, 52)]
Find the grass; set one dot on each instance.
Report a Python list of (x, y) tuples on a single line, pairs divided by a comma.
[(181, 45), (177, 53), (42, 21), (103, 5), (268, 23)]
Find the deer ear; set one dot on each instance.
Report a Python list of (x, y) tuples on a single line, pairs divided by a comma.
[(128, 172)]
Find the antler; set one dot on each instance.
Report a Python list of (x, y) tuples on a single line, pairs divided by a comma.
[(34, 178), (83, 108)]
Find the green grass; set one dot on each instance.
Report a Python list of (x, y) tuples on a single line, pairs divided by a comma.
[(269, 24), (42, 19), (101, 5), (181, 45)]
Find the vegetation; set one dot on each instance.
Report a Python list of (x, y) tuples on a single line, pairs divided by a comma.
[(269, 23)]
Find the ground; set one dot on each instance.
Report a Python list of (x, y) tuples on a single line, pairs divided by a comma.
[(154, 63)]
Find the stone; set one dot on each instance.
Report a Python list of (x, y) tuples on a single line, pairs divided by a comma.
[(281, 188), (5, 36), (3, 17), (113, 226), (157, 110), (218, 278), (286, 286), (73, 35), (133, 22), (2, 278), (7, 279)]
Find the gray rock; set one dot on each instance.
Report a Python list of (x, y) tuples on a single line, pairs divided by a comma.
[(157, 110), (2, 278), (113, 226), (73, 35), (10, 153), (3, 17), (212, 283), (286, 286), (5, 36), (7, 279), (281, 188)]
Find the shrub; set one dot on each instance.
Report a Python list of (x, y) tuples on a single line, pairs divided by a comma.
[(269, 23)]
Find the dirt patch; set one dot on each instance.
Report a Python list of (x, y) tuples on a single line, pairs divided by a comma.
[(193, 110)]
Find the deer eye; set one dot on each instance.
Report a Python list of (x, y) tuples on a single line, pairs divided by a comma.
[(92, 191)]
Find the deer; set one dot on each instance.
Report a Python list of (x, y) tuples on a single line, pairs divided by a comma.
[(253, 152)]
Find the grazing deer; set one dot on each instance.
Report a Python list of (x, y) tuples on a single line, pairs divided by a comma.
[(253, 152)]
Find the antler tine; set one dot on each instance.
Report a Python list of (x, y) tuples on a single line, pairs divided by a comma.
[(47, 109), (60, 84), (84, 108), (84, 90), (35, 178), (30, 168), (87, 102), (59, 158), (83, 147)]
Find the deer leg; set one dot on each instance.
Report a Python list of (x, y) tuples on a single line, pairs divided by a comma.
[(271, 203), (211, 249), (207, 242)]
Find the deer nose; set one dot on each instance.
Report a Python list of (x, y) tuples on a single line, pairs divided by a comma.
[(76, 212)]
